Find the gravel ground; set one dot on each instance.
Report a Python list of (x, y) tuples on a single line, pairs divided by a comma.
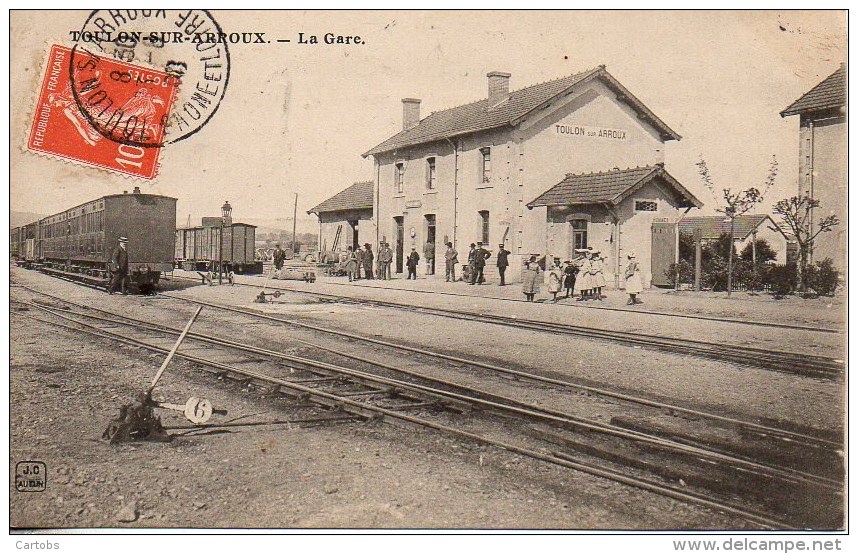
[(65, 389), (457, 296)]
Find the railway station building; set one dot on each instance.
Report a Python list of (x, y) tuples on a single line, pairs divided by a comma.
[(573, 162), (823, 160), (345, 219)]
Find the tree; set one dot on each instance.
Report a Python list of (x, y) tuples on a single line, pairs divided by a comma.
[(764, 251), (736, 204), (795, 213)]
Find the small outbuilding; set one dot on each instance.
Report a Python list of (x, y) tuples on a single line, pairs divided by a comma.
[(346, 219), (617, 212)]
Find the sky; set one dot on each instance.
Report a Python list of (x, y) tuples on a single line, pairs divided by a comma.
[(296, 118)]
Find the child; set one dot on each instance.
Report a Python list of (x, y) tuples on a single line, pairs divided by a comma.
[(555, 279), (569, 273), (634, 286)]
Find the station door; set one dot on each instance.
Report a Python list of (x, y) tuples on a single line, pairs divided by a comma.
[(663, 251)]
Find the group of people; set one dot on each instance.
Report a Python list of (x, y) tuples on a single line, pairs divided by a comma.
[(359, 262), (583, 277)]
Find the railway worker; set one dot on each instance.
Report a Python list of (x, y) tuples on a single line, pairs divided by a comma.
[(634, 285), (597, 270), (411, 263), (530, 279), (555, 279), (279, 257), (451, 258), (503, 263), (480, 257), (351, 264), (119, 267), (368, 258), (429, 254)]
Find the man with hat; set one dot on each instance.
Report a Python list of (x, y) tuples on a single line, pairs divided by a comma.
[(279, 257), (503, 263), (367, 261), (451, 258), (385, 258), (480, 257), (119, 267)]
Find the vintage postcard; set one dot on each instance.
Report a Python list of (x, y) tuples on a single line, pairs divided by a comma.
[(429, 270)]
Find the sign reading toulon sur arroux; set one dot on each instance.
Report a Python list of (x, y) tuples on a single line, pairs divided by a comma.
[(590, 132)]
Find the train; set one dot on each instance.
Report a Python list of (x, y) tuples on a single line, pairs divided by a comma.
[(205, 247), (80, 241)]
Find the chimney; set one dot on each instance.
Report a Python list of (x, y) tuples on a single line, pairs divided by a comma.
[(410, 113), (498, 86)]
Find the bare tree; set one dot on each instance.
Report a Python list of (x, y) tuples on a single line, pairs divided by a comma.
[(796, 214), (735, 204)]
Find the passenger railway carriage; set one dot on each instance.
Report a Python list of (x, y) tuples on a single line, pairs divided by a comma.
[(81, 240)]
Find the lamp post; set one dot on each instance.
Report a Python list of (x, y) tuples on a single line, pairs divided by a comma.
[(225, 218)]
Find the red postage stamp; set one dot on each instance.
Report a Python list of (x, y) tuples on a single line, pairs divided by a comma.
[(102, 112)]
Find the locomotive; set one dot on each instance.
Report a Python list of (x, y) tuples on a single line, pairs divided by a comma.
[(80, 241)]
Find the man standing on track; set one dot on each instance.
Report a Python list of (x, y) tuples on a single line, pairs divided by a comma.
[(503, 263), (279, 257), (119, 267)]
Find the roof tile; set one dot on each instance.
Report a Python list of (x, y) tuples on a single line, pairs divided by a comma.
[(481, 115), (830, 93), (359, 196)]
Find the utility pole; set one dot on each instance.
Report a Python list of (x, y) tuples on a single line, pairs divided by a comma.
[(295, 226)]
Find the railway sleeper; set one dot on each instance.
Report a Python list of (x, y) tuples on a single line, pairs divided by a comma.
[(801, 502), (793, 455)]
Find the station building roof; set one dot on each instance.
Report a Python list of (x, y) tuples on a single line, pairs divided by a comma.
[(713, 226), (611, 187), (483, 115), (829, 94), (359, 196)]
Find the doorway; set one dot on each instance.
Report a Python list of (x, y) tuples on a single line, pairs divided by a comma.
[(430, 238), (400, 242), (355, 237)]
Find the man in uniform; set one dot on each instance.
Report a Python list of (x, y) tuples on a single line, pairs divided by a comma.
[(451, 258), (279, 257), (503, 263), (119, 267), (480, 257)]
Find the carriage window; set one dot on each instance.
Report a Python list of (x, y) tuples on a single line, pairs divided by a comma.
[(646, 206)]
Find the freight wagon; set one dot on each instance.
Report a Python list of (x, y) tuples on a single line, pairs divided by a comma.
[(201, 248)]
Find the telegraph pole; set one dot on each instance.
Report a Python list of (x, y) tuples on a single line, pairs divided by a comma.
[(295, 226)]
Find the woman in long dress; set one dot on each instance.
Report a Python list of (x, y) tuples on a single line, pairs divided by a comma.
[(351, 264), (598, 273), (583, 283), (530, 279), (634, 285), (555, 279)]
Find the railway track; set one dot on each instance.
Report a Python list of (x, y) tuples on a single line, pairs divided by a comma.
[(784, 361), (358, 392)]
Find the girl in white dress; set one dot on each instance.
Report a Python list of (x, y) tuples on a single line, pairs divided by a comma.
[(634, 285)]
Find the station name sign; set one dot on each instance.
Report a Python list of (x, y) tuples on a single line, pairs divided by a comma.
[(584, 131)]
